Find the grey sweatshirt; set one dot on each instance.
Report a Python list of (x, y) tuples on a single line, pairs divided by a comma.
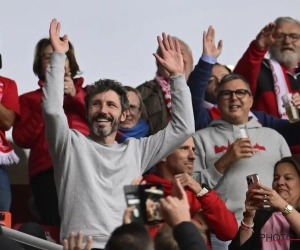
[(212, 142), (90, 176)]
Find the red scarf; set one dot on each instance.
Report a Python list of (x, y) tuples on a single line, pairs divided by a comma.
[(166, 89)]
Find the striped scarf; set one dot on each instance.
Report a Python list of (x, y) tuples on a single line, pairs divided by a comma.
[(166, 89)]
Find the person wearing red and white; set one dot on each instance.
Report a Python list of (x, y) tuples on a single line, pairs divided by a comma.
[(29, 130), (272, 78), (9, 111), (206, 207)]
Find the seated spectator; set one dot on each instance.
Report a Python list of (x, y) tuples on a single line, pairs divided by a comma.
[(29, 130), (135, 124), (9, 112), (92, 171), (206, 208), (279, 226), (156, 93), (204, 114), (271, 79)]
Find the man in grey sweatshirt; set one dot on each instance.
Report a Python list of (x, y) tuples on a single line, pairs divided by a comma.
[(90, 172), (236, 146)]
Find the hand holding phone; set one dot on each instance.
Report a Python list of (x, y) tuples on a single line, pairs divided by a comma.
[(145, 199), (252, 181)]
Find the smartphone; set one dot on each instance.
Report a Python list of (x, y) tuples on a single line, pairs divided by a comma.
[(145, 198), (0, 61), (5, 218), (252, 181)]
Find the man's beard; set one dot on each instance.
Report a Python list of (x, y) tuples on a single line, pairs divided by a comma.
[(288, 58), (100, 131)]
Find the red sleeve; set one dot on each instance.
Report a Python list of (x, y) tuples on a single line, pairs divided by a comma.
[(30, 124), (249, 65), (219, 219), (10, 98)]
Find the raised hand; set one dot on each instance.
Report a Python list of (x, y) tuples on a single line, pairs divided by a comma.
[(266, 36), (70, 244), (58, 45), (171, 58), (209, 47)]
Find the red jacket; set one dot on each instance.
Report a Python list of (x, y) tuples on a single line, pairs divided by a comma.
[(219, 219), (258, 73), (29, 130)]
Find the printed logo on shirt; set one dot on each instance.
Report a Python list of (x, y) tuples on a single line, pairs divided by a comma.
[(257, 148), (223, 149)]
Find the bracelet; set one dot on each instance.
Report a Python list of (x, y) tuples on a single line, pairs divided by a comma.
[(247, 227)]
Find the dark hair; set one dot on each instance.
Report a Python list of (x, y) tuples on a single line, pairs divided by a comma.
[(104, 85), (132, 236), (223, 65), (231, 77), (295, 161), (144, 114), (38, 56)]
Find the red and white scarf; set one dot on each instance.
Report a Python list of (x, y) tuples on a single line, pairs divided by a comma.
[(7, 154), (281, 85), (166, 89)]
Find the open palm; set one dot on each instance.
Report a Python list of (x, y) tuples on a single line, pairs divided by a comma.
[(209, 46), (57, 44), (171, 57), (265, 38)]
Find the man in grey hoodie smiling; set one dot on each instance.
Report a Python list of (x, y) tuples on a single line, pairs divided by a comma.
[(236, 146)]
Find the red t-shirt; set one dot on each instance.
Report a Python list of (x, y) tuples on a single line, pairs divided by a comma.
[(9, 94)]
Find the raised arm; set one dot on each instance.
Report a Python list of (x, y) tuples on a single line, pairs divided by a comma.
[(56, 124), (249, 65), (181, 126), (200, 76)]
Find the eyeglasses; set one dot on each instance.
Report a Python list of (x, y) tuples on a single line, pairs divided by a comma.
[(292, 36), (239, 93), (134, 109)]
